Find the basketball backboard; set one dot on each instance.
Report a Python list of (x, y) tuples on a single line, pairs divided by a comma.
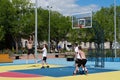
[(82, 20)]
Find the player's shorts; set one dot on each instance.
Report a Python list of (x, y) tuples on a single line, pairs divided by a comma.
[(84, 61), (30, 51), (44, 59), (79, 62)]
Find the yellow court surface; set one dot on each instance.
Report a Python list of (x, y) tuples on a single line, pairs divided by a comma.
[(5, 75)]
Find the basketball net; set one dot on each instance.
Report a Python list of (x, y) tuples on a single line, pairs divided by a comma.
[(81, 26)]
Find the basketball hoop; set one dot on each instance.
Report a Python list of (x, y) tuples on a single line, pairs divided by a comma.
[(82, 20)]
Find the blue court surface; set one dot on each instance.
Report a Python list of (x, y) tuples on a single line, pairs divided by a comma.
[(59, 71), (113, 65), (66, 70)]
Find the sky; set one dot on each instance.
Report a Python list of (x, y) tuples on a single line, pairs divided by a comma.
[(69, 7)]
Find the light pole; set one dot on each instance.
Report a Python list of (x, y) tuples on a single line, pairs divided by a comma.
[(49, 30), (36, 28), (115, 26), (119, 29)]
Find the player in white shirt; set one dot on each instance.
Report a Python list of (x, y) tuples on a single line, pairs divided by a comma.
[(77, 60), (44, 56)]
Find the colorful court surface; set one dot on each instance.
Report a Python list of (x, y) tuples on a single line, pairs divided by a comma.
[(59, 69)]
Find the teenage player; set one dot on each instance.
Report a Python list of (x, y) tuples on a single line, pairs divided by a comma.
[(44, 56)]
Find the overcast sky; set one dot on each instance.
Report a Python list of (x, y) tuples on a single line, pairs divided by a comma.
[(68, 7)]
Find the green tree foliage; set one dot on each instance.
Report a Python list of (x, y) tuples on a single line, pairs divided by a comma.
[(22, 17), (42, 24), (6, 14), (59, 25), (6, 19), (105, 18), (2, 32)]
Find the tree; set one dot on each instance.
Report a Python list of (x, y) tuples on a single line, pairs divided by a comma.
[(6, 18), (21, 21), (2, 33)]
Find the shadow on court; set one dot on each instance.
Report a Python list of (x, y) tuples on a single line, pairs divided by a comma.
[(60, 71)]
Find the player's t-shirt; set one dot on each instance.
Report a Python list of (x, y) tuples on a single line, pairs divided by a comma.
[(44, 52), (78, 56), (76, 49), (77, 52)]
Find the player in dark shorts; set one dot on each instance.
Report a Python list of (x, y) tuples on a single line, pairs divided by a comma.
[(83, 60), (30, 50), (77, 60), (44, 56)]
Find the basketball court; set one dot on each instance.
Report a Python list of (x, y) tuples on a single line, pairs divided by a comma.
[(60, 69)]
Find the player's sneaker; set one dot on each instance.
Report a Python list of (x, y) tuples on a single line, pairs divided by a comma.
[(86, 72), (42, 67), (74, 73), (47, 66)]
